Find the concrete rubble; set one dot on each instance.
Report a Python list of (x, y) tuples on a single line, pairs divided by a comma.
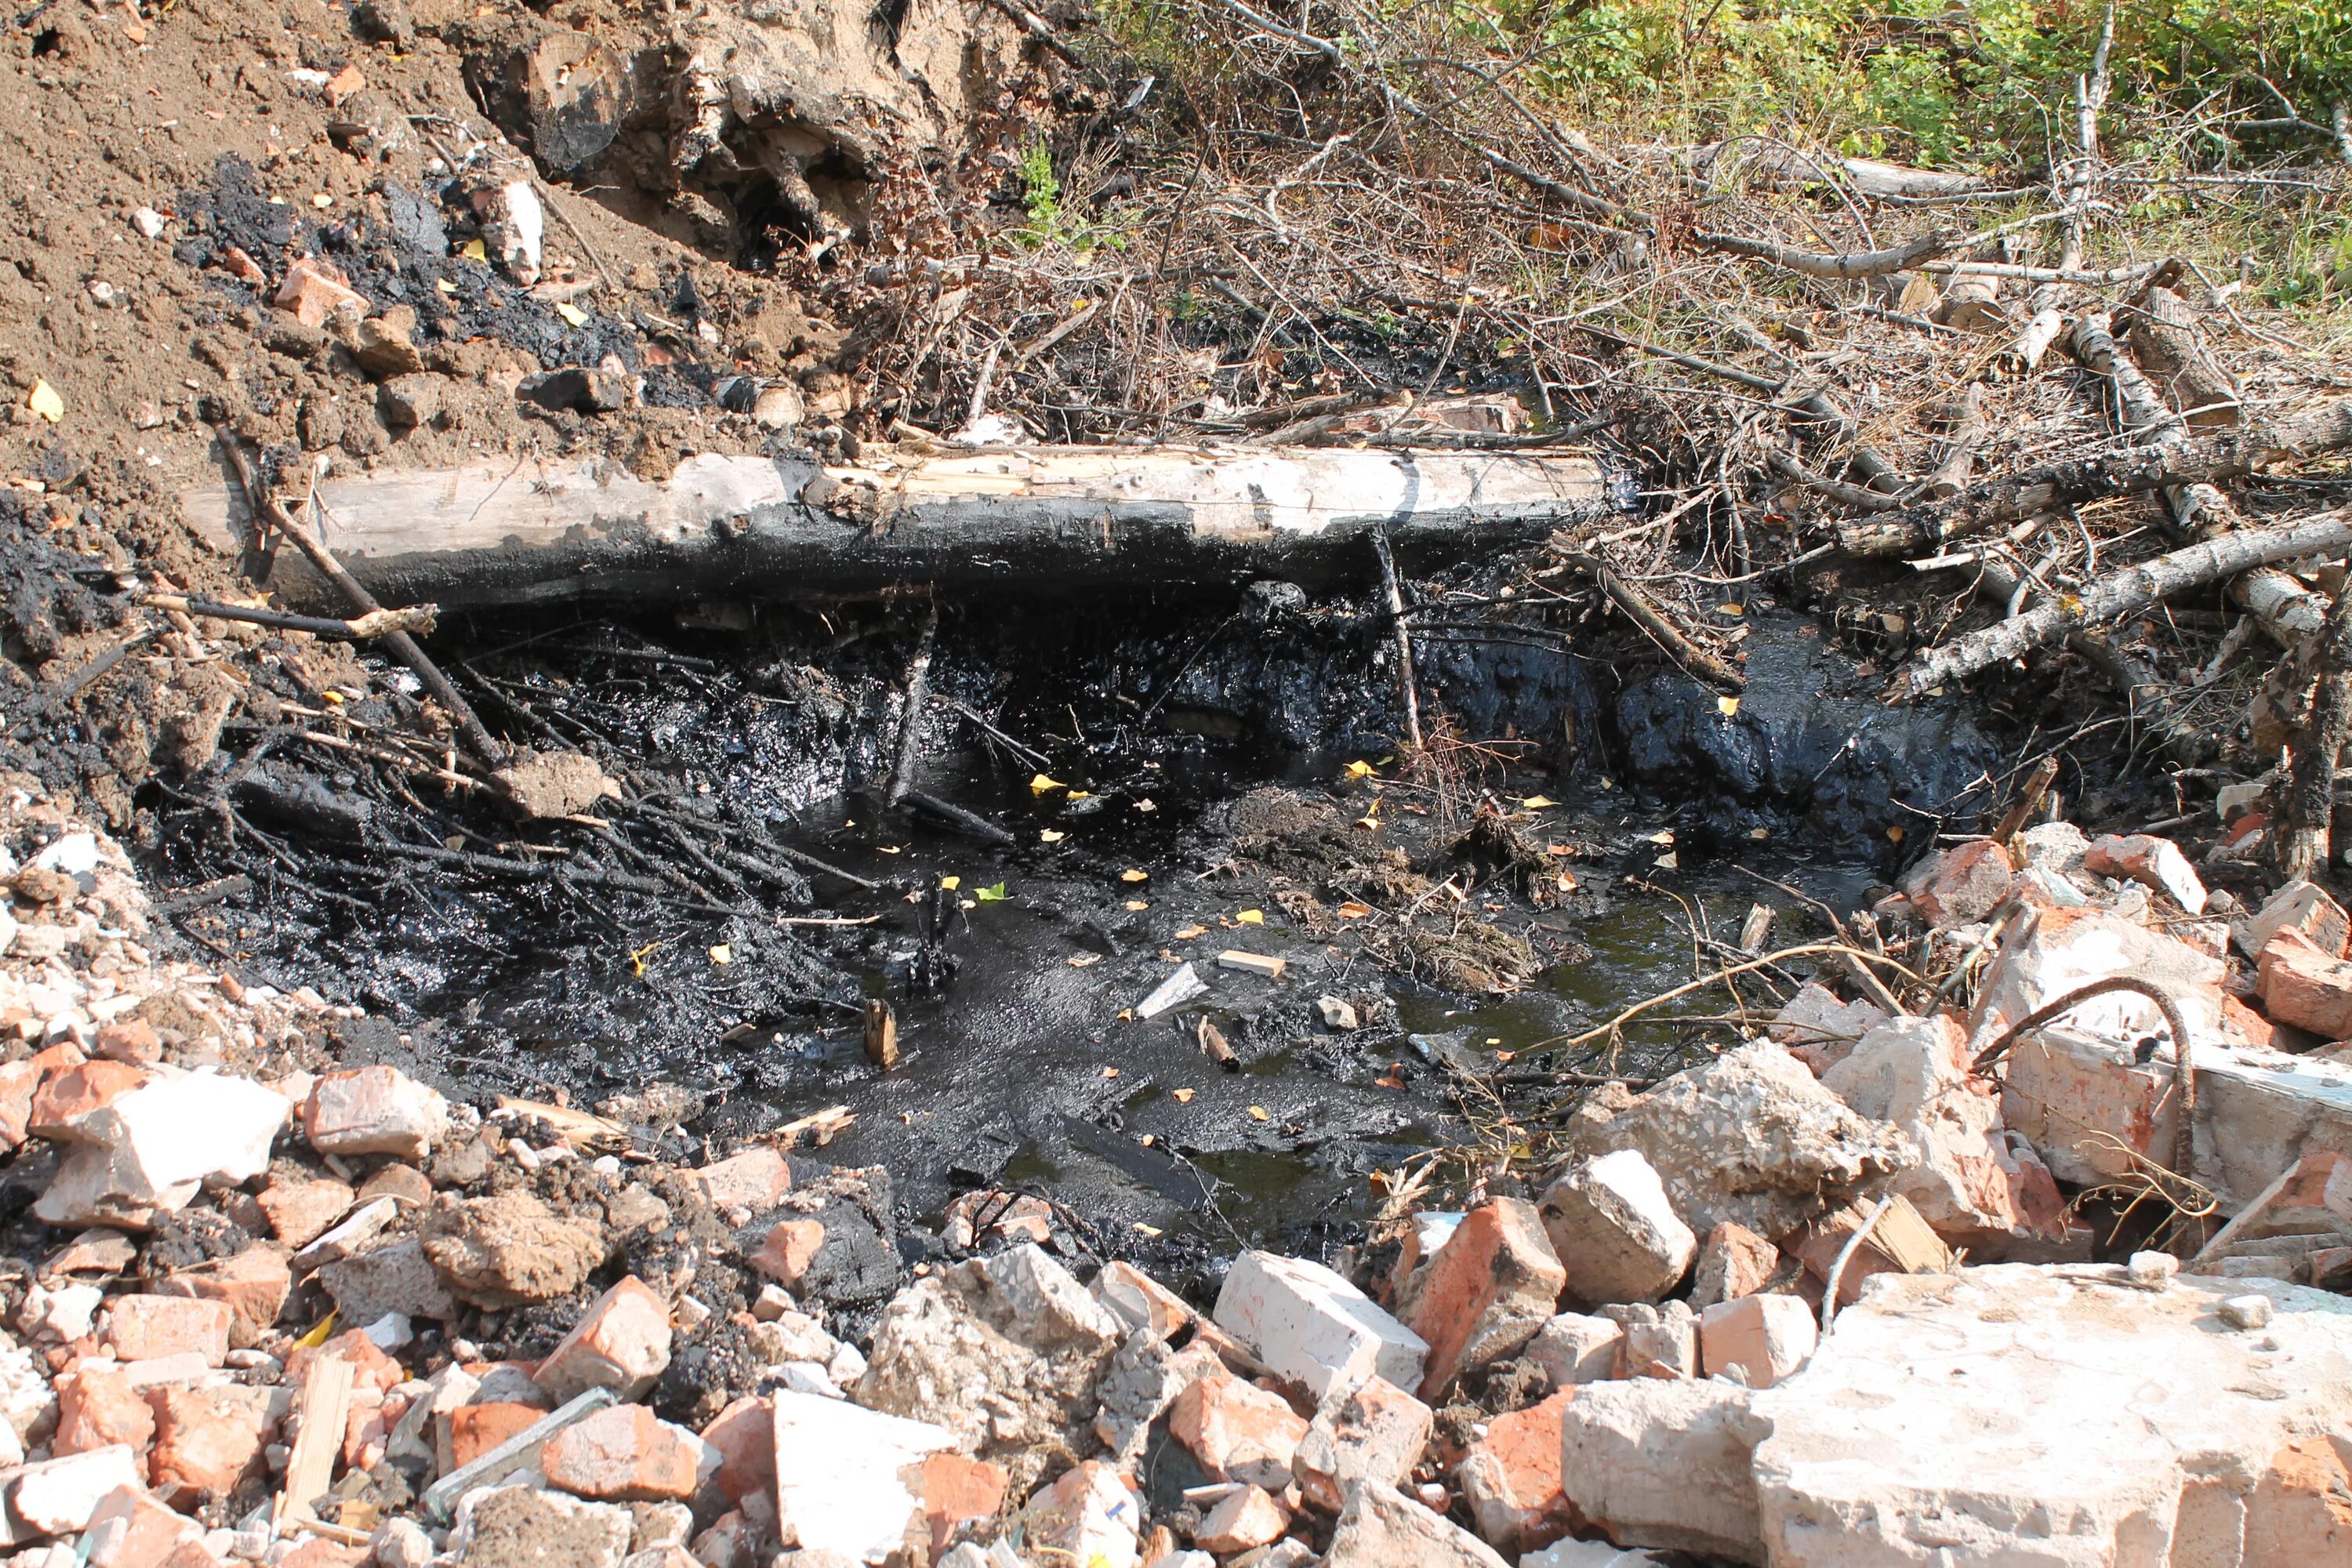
[(322, 1317)]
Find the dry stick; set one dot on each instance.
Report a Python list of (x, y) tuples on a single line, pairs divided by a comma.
[(2038, 490), (2125, 673), (2184, 1071), (2196, 507), (2119, 593), (1845, 1256), (1843, 265), (2090, 97), (1695, 661), (1409, 688), (360, 628), (2037, 790), (1845, 494), (1569, 1042), (910, 722), (1951, 475), (2309, 798), (403, 647)]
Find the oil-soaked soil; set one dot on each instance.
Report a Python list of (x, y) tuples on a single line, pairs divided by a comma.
[(1222, 777)]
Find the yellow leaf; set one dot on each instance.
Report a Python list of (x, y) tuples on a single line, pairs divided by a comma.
[(951, 883), (1143, 1229), (1252, 917), (1730, 610), (1139, 903), (44, 400), (722, 955), (1351, 910), (1667, 836), (572, 314), (1132, 875), (1083, 960), (1260, 1113), (1082, 795), (1051, 835), (1360, 770), (1760, 833), (1188, 932), (890, 848), (472, 250), (317, 1336), (332, 698), (1667, 861), (445, 285), (1041, 784), (1145, 805), (1184, 1096), (1110, 1072), (1537, 802), (1727, 706), (1894, 834)]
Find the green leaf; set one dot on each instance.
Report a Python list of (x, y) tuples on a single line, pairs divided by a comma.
[(995, 895)]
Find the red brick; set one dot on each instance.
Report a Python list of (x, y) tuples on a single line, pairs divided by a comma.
[(97, 1407), (621, 1453), (320, 1553), (373, 1110), (370, 1367), (133, 1040), (252, 1285), (19, 1081), (207, 1440), (314, 290), (621, 1343), (1512, 1479), (755, 1179), (1734, 1261), (78, 1091), (1238, 1432), (140, 1327), (745, 1436), (475, 1430), (149, 1532), (954, 1491), (192, 1554), (2301, 1510), (1494, 1283), (1242, 1521), (2300, 984), (301, 1212), (1964, 883), (785, 1256)]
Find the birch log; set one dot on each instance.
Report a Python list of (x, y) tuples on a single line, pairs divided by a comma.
[(2120, 593), (525, 531)]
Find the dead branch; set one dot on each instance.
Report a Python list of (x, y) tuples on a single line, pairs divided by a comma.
[(2121, 592), (1846, 265), (1695, 661), (2309, 799), (1989, 505)]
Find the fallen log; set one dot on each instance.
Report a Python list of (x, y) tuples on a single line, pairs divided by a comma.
[(526, 533), (1997, 501), (2121, 592)]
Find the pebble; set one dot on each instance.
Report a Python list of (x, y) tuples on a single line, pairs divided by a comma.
[(148, 222), (2247, 1311)]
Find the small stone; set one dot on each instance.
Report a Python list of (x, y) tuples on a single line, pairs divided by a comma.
[(1244, 1520), (1381, 1528), (373, 1110), (1090, 1516), (1336, 1012), (2151, 1270), (744, 1434), (1664, 1346), (756, 1179), (1615, 1232), (1374, 1432), (1237, 1431), (1574, 1348), (100, 1409), (1763, 1339), (130, 1528), (133, 1040), (315, 290), (621, 1343), (395, 1276), (623, 1454), (401, 1544), (301, 1212), (67, 1095), (2246, 1311), (148, 222), (404, 1185), (2155, 863), (511, 1248), (787, 1250), (512, 1526)]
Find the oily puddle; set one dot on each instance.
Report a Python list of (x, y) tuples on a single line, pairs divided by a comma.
[(1213, 787)]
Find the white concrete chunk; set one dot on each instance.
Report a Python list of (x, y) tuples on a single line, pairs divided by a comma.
[(59, 1495), (837, 1483), (1575, 1348), (1661, 1463), (2056, 1417), (1616, 1233), (1311, 1326), (152, 1148)]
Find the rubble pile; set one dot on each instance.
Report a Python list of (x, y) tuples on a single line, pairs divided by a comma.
[(321, 1316)]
